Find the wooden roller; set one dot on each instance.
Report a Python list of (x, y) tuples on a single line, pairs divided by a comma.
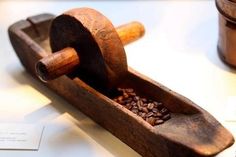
[(85, 43)]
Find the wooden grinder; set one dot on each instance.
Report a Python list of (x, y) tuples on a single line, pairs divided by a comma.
[(86, 44), (191, 132)]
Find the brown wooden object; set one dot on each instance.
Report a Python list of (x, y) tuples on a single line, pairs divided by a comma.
[(67, 60), (84, 37), (191, 132), (227, 31)]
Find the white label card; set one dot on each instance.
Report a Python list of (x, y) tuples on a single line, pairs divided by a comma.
[(20, 136)]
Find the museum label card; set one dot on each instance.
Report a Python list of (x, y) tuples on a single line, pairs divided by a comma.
[(20, 136)]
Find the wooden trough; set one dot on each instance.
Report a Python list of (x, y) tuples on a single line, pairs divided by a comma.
[(191, 131)]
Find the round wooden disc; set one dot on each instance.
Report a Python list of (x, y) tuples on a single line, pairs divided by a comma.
[(102, 56)]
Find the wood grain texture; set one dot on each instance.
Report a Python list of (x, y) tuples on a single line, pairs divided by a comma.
[(57, 64), (130, 32), (227, 32), (67, 60), (191, 132), (92, 35)]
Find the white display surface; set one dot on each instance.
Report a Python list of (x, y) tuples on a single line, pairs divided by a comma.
[(178, 50)]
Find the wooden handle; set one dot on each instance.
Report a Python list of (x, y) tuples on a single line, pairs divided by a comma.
[(57, 64), (130, 32), (66, 60)]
